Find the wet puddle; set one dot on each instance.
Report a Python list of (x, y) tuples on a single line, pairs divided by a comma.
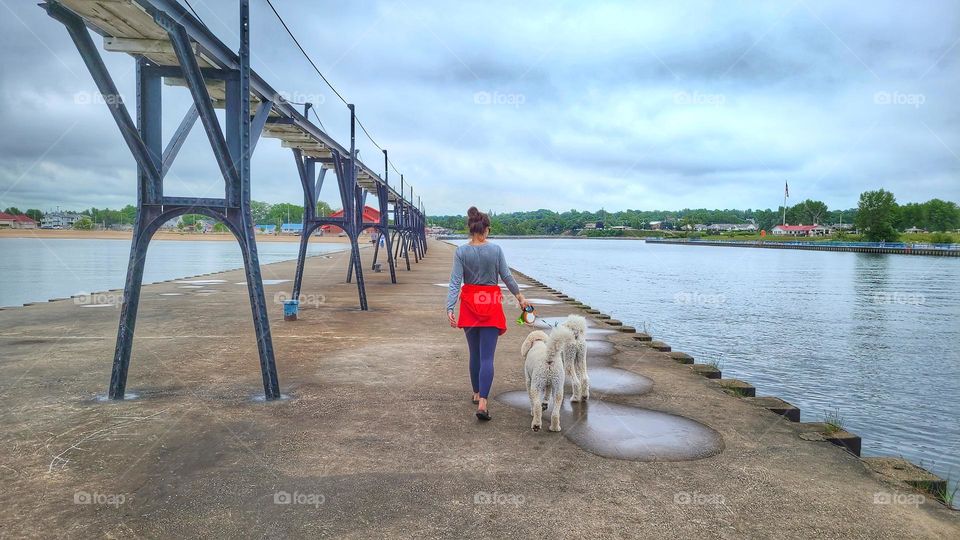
[(594, 332), (267, 281), (619, 431), (543, 301), (201, 281), (608, 380), (599, 348)]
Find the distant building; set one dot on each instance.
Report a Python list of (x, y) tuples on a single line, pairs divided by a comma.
[(592, 225), (622, 228), (266, 229), (801, 230), (914, 230), (727, 227), (291, 228), (656, 225), (18, 221), (59, 220), (170, 224), (370, 215)]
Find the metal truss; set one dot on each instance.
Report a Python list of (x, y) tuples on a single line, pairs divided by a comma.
[(170, 44)]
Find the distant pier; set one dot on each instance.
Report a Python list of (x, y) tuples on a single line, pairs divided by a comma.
[(898, 248)]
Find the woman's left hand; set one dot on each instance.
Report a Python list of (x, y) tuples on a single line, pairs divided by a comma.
[(453, 320)]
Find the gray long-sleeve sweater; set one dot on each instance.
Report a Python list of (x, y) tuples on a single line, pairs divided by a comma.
[(478, 265)]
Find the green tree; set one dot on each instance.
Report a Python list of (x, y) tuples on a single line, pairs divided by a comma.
[(35, 214), (83, 224), (285, 213), (809, 212), (941, 215), (13, 210), (876, 213), (260, 211)]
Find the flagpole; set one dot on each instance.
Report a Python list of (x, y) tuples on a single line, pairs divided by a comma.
[(785, 191)]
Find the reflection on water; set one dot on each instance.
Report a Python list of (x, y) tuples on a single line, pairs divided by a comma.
[(36, 270), (874, 336), (620, 431)]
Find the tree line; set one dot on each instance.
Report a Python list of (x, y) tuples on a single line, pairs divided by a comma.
[(877, 215)]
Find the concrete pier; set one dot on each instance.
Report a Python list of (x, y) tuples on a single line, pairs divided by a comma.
[(377, 436)]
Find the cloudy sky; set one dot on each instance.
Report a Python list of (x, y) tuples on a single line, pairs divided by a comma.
[(559, 105)]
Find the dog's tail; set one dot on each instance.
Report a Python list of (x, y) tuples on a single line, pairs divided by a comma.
[(535, 336), (559, 339)]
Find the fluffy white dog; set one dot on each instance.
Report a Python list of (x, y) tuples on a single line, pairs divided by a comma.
[(543, 369), (575, 357)]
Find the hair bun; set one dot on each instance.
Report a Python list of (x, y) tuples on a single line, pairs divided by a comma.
[(473, 213)]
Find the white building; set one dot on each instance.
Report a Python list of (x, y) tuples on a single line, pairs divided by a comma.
[(59, 220), (801, 230)]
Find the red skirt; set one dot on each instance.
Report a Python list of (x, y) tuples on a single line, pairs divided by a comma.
[(481, 305)]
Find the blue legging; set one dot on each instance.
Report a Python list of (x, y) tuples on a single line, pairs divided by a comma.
[(482, 342)]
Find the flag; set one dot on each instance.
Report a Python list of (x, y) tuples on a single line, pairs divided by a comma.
[(786, 189)]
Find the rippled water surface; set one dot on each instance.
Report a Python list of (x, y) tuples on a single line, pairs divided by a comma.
[(876, 337), (36, 270)]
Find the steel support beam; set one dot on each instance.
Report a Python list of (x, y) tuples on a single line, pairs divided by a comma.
[(153, 209)]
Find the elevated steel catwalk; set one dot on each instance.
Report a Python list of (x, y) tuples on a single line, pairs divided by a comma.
[(171, 46)]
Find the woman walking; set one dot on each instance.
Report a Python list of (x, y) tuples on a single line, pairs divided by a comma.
[(478, 265)]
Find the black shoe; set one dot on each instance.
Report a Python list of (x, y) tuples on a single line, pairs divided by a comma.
[(483, 415)]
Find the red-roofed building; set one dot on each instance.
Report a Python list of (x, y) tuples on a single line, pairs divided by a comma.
[(11, 221), (801, 230), (370, 215)]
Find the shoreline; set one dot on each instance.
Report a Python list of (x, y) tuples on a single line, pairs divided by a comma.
[(837, 247), (71, 234)]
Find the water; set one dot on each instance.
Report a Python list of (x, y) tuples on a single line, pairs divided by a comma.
[(37, 270), (872, 336)]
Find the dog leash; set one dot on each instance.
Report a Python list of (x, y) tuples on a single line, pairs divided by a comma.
[(527, 315)]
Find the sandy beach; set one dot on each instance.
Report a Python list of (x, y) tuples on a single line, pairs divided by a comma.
[(161, 235)]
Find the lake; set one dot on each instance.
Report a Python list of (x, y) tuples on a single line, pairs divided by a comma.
[(35, 270), (874, 337)]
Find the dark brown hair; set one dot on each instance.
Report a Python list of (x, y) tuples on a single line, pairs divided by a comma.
[(477, 221)]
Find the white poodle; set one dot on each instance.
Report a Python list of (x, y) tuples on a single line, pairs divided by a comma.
[(575, 357), (544, 372)]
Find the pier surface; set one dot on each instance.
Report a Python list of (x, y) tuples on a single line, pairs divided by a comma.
[(377, 437)]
